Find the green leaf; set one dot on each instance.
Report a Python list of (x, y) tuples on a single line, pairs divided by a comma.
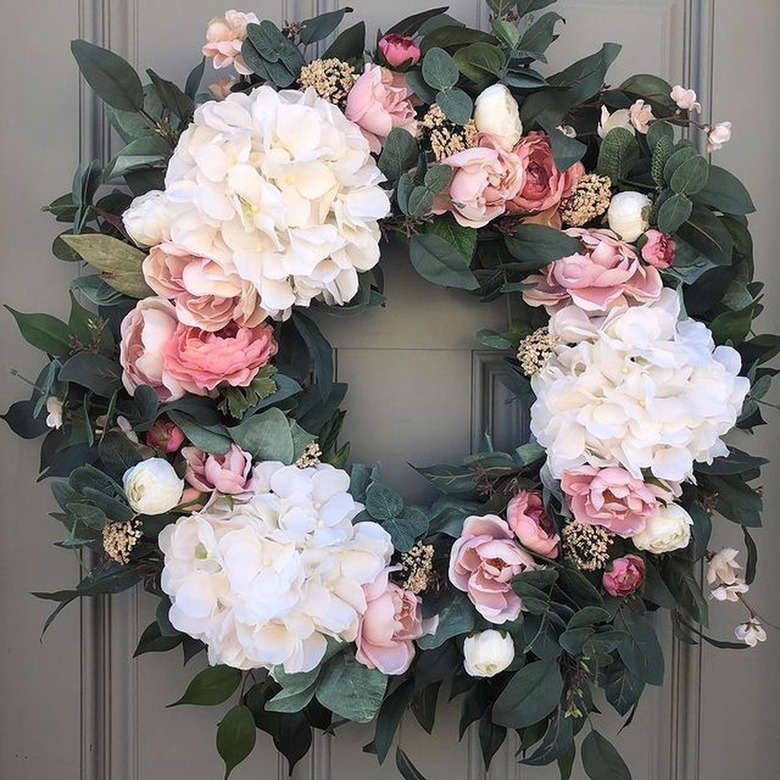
[(708, 234), (736, 500), (622, 688), (585, 77), (480, 62), (112, 78), (44, 332), (96, 372), (383, 503), (349, 44), (674, 212), (118, 453), (657, 132), (439, 69), (600, 759), (352, 690), (456, 617), (691, 176), (320, 27), (406, 528), (654, 90), (399, 154), (725, 192), (557, 740), (441, 263), (172, 98), (566, 151), (752, 557), (538, 37), (320, 350), (119, 263), (618, 153), (407, 769), (702, 530), (411, 24), (529, 6), (267, 436), (236, 736), (194, 78), (537, 245), (678, 157), (456, 480), (389, 717), (641, 651), (532, 693), (150, 150), (23, 422), (456, 105), (215, 441), (213, 685), (464, 239)]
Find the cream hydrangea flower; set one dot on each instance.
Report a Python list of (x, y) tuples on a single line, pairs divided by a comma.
[(279, 188), (637, 388), (264, 580)]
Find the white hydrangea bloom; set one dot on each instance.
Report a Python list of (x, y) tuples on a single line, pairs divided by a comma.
[(636, 388), (280, 188), (263, 581)]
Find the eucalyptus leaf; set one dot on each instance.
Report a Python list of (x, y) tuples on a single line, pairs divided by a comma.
[(439, 262), (530, 695), (112, 78), (352, 690), (236, 736)]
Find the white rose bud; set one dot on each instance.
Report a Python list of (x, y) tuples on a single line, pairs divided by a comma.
[(668, 529), (147, 220), (488, 653), (629, 214), (152, 486), (496, 112)]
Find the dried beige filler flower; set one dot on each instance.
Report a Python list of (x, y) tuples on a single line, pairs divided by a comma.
[(445, 137), (331, 79), (587, 546), (310, 456), (120, 538), (417, 566), (533, 350), (589, 199)]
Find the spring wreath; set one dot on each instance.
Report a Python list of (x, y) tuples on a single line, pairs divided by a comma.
[(191, 416)]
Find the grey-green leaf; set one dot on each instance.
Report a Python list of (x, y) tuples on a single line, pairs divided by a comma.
[(532, 693), (439, 69), (352, 690), (600, 759), (440, 262), (112, 78), (236, 736)]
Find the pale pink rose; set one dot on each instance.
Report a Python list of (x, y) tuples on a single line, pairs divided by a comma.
[(612, 498), (202, 361), (205, 296), (606, 273), (544, 185), (659, 249), (484, 178), (625, 576), (530, 523), (227, 473), (146, 331), (224, 37), (399, 49), (483, 561), (685, 98), (718, 135), (379, 101), (165, 436), (221, 88), (641, 114), (387, 629)]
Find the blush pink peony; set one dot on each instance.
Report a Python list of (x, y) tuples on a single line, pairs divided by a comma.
[(228, 473), (531, 525), (224, 38), (612, 498), (606, 273), (399, 49), (146, 332), (379, 101), (659, 250), (201, 361), (483, 561), (625, 576), (544, 184), (390, 624)]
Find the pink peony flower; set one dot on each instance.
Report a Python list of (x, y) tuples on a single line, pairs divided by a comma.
[(224, 37), (228, 473), (659, 250), (399, 49), (379, 101), (204, 295), (165, 436), (606, 273), (612, 498), (201, 361), (483, 561), (146, 332), (484, 178), (392, 620), (544, 185), (625, 576), (530, 523)]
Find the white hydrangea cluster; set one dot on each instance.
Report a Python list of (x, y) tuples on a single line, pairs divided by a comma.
[(637, 388), (264, 581), (277, 187)]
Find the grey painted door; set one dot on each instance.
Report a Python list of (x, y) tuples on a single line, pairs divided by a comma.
[(76, 706)]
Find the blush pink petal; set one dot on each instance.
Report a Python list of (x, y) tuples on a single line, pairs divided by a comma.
[(529, 522), (625, 576)]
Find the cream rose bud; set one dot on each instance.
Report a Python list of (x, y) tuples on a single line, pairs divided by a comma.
[(628, 215), (488, 653), (147, 221), (152, 487), (496, 113), (669, 529)]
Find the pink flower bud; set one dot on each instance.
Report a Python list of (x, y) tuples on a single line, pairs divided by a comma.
[(164, 436), (718, 135), (399, 49), (625, 576), (659, 249)]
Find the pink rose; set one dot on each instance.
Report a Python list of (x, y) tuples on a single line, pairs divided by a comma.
[(165, 436), (606, 273), (483, 561), (544, 185), (612, 498), (625, 576), (659, 249), (224, 37), (227, 473), (484, 178), (379, 101), (146, 331), (530, 523), (392, 620), (201, 361), (399, 50), (204, 295)]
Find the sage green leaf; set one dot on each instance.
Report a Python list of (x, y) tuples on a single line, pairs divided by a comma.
[(657, 131), (267, 436), (211, 686), (585, 77), (23, 422), (236, 736), (663, 150), (411, 24), (725, 192), (118, 453), (641, 651), (456, 105), (530, 695), (320, 351), (536, 245), (291, 701), (441, 263), (389, 717), (618, 153), (456, 617), (678, 157), (96, 372), (600, 759), (406, 528), (538, 37), (654, 90), (352, 690), (399, 154), (529, 6), (44, 332), (172, 98), (622, 688), (707, 233), (112, 78), (194, 78), (203, 437), (480, 62), (464, 239), (674, 212), (690, 176), (557, 740), (383, 503), (407, 769), (320, 27), (439, 69), (349, 44), (150, 150), (566, 151)]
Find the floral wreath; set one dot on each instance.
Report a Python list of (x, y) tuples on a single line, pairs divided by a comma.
[(192, 420)]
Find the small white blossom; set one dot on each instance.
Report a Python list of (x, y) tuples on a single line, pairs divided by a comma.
[(488, 653), (619, 118), (54, 408), (729, 592), (685, 98), (751, 633)]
